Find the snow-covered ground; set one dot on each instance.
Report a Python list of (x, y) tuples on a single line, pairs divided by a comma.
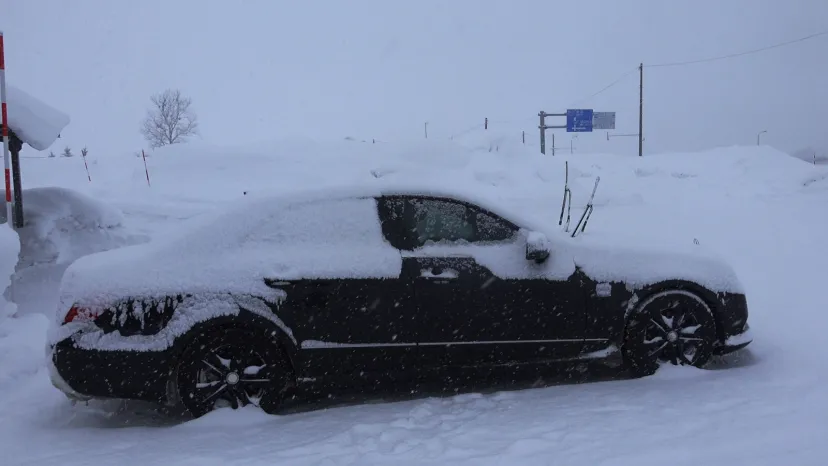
[(762, 210)]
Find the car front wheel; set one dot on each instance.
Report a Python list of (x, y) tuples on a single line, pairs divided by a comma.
[(231, 368), (675, 327)]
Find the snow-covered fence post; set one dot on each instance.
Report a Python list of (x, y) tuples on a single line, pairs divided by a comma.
[(146, 170), (5, 133)]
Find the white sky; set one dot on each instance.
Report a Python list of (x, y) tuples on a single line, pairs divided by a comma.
[(265, 69)]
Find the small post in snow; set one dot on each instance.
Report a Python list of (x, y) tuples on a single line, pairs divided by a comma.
[(84, 151), (425, 129), (5, 134), (146, 170), (486, 123)]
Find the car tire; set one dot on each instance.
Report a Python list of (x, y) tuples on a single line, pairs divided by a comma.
[(674, 326), (232, 367)]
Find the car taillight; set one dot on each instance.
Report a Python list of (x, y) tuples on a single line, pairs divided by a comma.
[(79, 314)]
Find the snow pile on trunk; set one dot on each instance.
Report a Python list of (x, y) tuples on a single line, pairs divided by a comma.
[(33, 121), (235, 250)]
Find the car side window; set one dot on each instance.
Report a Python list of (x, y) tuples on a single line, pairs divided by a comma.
[(438, 220), (410, 222), (490, 228)]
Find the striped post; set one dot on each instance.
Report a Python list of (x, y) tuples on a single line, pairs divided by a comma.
[(5, 134)]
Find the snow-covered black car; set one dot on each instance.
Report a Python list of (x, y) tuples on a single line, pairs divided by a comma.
[(283, 292)]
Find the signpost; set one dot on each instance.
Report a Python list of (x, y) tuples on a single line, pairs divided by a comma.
[(578, 120)]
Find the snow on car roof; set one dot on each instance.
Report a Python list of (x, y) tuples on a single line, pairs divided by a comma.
[(335, 233)]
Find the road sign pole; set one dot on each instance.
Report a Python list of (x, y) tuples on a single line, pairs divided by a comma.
[(5, 134), (542, 128)]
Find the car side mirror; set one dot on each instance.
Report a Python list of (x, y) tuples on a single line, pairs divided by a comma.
[(538, 248)]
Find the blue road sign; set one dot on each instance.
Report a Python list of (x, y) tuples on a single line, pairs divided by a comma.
[(579, 120)]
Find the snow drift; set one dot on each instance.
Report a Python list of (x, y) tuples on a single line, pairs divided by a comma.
[(61, 226), (9, 249)]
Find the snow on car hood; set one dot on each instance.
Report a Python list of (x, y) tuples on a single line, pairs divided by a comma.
[(639, 267)]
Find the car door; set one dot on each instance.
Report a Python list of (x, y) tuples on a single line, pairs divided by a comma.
[(345, 320), (351, 326), (467, 313)]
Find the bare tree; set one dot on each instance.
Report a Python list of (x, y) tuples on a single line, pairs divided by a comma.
[(170, 120)]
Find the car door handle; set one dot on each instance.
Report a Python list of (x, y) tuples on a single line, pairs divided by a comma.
[(439, 273)]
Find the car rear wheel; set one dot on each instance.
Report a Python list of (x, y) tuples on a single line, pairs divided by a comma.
[(675, 327), (231, 368)]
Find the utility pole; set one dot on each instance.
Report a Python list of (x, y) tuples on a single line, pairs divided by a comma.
[(641, 109)]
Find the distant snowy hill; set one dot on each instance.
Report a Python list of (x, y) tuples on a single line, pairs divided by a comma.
[(811, 155)]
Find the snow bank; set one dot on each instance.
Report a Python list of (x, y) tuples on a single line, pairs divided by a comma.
[(61, 226), (34, 122), (191, 179), (9, 249), (751, 205)]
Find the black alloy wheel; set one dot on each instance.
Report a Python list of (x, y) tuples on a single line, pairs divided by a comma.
[(231, 368), (675, 327)]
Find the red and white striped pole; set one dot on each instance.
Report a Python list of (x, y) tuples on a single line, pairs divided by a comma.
[(5, 134)]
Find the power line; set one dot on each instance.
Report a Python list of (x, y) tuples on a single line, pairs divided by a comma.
[(662, 65), (739, 54), (605, 88)]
